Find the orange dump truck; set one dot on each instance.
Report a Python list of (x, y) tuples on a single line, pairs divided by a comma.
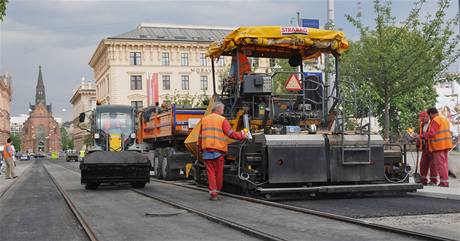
[(161, 135)]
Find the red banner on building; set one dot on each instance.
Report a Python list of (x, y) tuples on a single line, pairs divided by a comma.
[(152, 89)]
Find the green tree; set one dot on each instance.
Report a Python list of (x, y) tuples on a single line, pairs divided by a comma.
[(16, 142), (396, 65), (3, 4), (66, 140)]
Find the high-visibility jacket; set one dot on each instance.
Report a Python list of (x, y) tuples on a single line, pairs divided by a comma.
[(7, 151), (212, 136), (442, 139)]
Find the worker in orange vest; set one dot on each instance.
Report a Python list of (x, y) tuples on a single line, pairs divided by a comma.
[(439, 143), (212, 145), (8, 157), (426, 162)]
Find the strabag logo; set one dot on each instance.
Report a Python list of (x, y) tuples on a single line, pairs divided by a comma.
[(294, 30)]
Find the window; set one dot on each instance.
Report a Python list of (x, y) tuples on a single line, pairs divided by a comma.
[(184, 59), (136, 82), (254, 62), (203, 61), (166, 82), (165, 58), (135, 58), (137, 104), (221, 61), (184, 81), (272, 63), (204, 82)]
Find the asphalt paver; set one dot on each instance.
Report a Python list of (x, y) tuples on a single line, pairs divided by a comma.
[(33, 209)]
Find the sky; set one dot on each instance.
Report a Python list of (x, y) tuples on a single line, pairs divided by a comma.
[(61, 36)]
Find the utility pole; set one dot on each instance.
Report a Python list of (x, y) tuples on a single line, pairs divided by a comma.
[(329, 60)]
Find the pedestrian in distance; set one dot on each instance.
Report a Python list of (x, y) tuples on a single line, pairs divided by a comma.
[(8, 154), (212, 146), (439, 139), (426, 161)]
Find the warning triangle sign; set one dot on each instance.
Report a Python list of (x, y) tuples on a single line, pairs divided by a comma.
[(293, 83)]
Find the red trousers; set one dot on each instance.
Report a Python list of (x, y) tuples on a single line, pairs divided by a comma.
[(215, 169), (442, 166), (427, 164)]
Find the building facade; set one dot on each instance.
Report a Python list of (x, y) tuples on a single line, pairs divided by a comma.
[(41, 132), (5, 107), (17, 122), (154, 63), (83, 99)]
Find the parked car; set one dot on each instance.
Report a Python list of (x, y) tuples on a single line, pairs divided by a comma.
[(71, 155), (24, 157)]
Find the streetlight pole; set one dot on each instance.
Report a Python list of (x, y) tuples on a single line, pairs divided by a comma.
[(457, 119)]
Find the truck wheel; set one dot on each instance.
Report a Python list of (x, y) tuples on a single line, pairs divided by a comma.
[(138, 184), (157, 164), (165, 164), (165, 172), (91, 186)]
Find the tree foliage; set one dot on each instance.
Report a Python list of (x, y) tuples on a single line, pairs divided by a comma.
[(3, 4), (16, 142), (66, 140), (396, 65)]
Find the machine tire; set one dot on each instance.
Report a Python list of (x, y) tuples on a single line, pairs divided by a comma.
[(138, 184), (151, 157), (157, 164), (165, 162), (91, 186)]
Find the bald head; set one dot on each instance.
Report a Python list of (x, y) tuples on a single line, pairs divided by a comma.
[(218, 108)]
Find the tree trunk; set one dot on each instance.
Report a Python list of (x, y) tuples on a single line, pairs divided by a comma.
[(386, 123)]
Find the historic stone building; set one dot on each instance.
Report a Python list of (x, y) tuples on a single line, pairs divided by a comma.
[(156, 62), (40, 133), (5, 105), (83, 99)]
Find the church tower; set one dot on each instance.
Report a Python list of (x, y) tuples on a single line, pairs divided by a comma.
[(40, 133), (40, 95)]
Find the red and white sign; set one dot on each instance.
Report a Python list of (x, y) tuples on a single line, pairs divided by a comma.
[(293, 83), (152, 89), (294, 30)]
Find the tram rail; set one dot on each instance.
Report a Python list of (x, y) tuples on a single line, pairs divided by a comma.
[(266, 236), (90, 233), (332, 216)]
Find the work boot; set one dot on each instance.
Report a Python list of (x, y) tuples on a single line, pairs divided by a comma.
[(424, 182), (443, 184)]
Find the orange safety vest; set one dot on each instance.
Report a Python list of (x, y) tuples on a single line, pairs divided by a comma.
[(442, 139), (212, 136), (7, 154)]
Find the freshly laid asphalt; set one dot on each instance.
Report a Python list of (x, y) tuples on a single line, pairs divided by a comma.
[(33, 209), (382, 206)]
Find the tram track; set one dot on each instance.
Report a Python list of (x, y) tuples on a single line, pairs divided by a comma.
[(90, 233), (266, 236), (332, 216), (228, 223), (10, 185)]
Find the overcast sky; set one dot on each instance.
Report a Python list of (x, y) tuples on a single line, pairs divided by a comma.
[(62, 35)]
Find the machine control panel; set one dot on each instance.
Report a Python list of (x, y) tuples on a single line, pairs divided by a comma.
[(257, 84)]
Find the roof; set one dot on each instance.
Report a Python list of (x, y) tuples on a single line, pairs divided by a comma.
[(114, 108), (280, 42), (164, 32)]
